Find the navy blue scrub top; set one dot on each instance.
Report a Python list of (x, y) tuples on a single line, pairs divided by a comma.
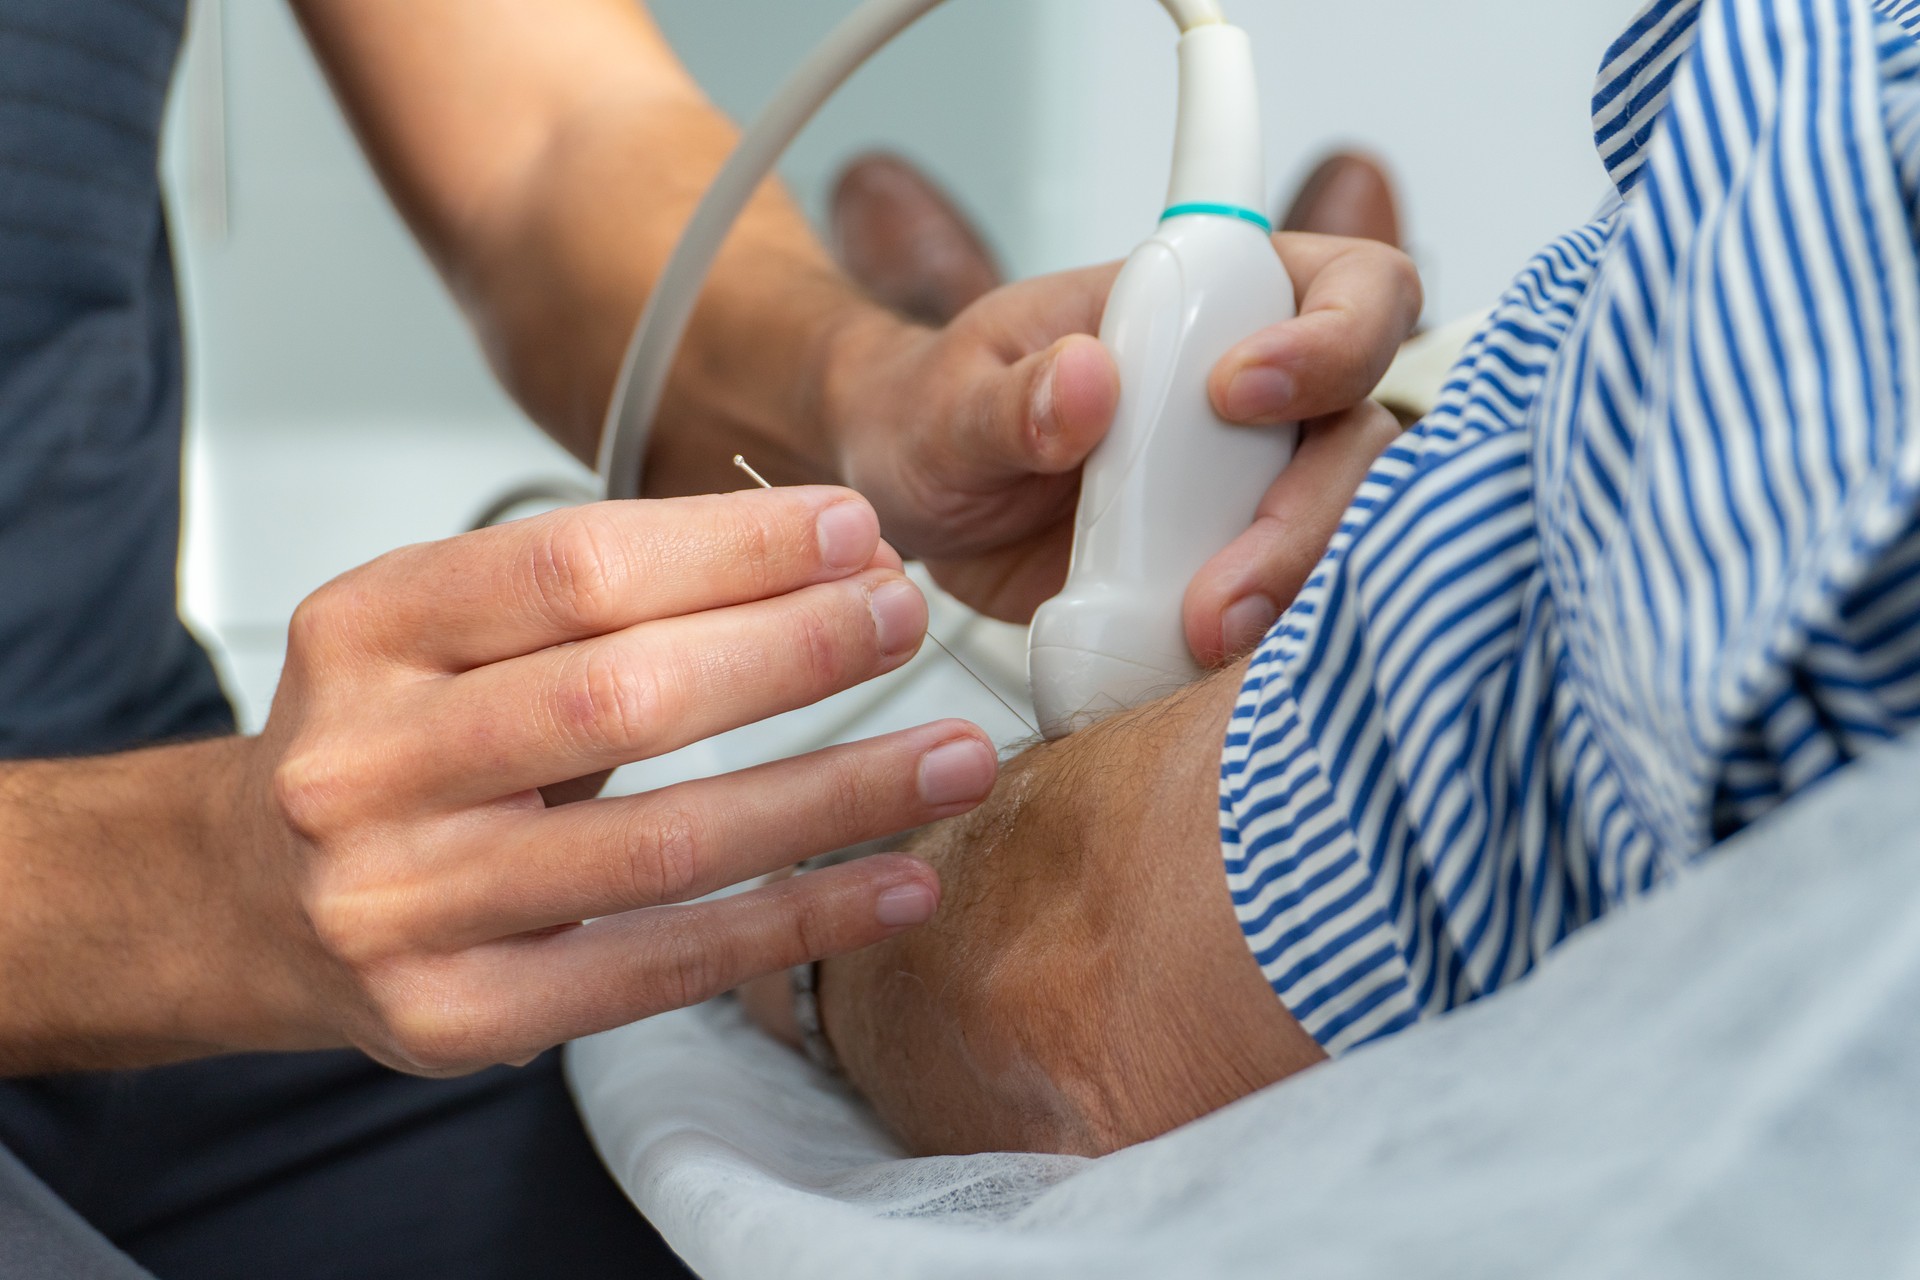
[(302, 1165), (93, 655)]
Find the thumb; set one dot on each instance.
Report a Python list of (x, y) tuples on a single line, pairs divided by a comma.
[(1044, 414)]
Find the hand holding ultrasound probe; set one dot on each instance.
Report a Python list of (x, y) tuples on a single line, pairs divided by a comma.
[(1173, 480), (394, 864), (401, 862)]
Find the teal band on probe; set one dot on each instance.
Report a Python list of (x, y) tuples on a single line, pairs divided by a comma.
[(1220, 211)]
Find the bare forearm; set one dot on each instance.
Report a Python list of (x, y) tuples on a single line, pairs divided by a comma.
[(115, 946), (547, 154), (1085, 986), (557, 294)]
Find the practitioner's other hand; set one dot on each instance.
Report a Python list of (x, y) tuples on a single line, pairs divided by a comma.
[(412, 893), (1349, 196), (969, 438), (1359, 302)]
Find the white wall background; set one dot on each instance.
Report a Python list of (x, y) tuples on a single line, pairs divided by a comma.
[(1481, 106), (339, 410)]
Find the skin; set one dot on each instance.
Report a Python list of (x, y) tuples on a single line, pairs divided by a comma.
[(547, 153), (1085, 985), (390, 865), (992, 515), (380, 869)]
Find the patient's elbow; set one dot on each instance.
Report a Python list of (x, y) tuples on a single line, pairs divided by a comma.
[(1065, 1067), (1085, 1055)]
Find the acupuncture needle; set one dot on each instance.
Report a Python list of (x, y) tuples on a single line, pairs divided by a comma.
[(740, 461)]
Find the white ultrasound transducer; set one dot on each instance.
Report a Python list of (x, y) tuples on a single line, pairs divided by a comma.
[(1172, 484)]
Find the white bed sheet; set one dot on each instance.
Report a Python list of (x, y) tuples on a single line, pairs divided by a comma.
[(1722, 1081)]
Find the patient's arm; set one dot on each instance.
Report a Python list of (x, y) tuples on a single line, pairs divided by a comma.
[(1085, 985)]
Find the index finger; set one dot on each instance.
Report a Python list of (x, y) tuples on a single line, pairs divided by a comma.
[(571, 575), (1359, 301), (517, 998), (1242, 591)]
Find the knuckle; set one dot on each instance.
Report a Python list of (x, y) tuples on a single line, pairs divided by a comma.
[(437, 1035), (845, 796), (808, 929), (308, 629), (691, 976), (1404, 276), (664, 857), (1271, 528), (818, 652), (1378, 429), (576, 571), (812, 930), (311, 791), (762, 539), (328, 621), (353, 926), (430, 1019), (619, 701)]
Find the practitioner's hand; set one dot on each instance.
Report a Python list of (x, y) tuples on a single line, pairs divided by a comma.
[(429, 899), (1359, 302), (969, 439)]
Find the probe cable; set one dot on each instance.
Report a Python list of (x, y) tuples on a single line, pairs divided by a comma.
[(663, 326), (978, 679)]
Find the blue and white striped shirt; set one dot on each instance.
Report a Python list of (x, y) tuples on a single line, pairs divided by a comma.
[(1650, 569)]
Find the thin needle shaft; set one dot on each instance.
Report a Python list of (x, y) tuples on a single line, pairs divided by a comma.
[(1031, 727), (741, 462)]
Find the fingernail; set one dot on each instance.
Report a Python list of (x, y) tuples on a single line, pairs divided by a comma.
[(958, 772), (906, 906), (1259, 391), (848, 535), (1046, 423), (899, 616), (1246, 622)]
